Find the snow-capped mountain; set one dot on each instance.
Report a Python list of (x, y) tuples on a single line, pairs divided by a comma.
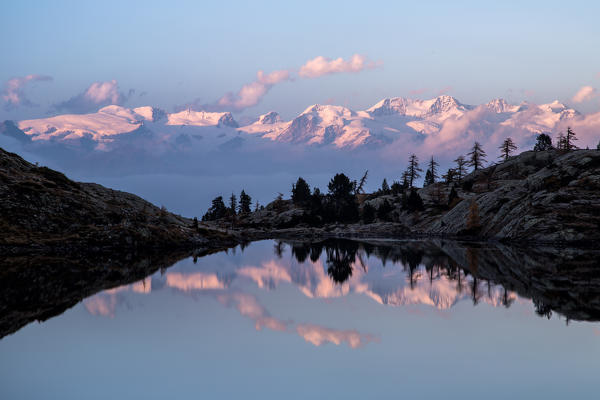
[(318, 125)]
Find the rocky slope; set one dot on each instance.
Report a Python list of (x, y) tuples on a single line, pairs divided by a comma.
[(542, 197), (42, 210)]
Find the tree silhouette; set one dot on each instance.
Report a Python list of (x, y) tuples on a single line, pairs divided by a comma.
[(569, 139), (432, 168), (385, 188), (507, 147), (245, 202), (428, 178), (361, 184), (413, 170), (232, 204), (461, 168), (476, 156), (216, 211), (300, 192), (543, 143)]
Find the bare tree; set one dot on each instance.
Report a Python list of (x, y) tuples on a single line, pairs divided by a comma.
[(507, 147)]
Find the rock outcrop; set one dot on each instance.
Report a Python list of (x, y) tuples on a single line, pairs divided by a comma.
[(536, 197), (44, 211)]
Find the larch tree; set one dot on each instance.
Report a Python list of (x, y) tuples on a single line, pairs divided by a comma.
[(569, 139), (413, 171), (461, 168), (476, 156), (506, 148), (433, 167)]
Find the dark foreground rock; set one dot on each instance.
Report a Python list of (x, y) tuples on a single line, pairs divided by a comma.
[(42, 211)]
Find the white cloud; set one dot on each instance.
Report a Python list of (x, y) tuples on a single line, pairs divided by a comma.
[(13, 93), (320, 66), (584, 94), (97, 95), (252, 93)]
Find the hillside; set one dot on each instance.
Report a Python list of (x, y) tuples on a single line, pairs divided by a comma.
[(43, 210), (548, 197)]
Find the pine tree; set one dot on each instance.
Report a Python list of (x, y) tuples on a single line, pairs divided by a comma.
[(300, 192), (507, 147), (232, 204), (560, 142), (428, 178), (433, 165), (245, 202), (476, 156), (413, 170), (543, 143), (569, 139), (449, 176), (598, 147), (396, 188), (385, 188), (460, 169), (216, 211), (361, 184)]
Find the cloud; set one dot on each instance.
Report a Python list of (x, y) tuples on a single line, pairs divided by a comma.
[(248, 306), (445, 90), (320, 66), (417, 92), (319, 335), (252, 93), (584, 94), (13, 93), (97, 95)]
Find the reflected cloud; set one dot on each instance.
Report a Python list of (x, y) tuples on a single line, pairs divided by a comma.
[(319, 335), (249, 307), (194, 281)]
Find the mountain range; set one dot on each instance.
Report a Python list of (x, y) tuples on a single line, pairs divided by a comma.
[(319, 125)]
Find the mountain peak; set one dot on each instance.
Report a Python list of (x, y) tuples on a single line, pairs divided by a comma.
[(269, 118)]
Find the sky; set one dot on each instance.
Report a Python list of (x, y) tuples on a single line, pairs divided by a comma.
[(173, 54)]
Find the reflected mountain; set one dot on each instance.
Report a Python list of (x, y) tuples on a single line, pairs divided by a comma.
[(431, 273)]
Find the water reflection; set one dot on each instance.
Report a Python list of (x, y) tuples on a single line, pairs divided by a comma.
[(425, 273)]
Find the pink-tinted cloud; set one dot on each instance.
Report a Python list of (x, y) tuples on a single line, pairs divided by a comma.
[(249, 307), (13, 93), (194, 281), (585, 93), (319, 335), (417, 92), (320, 66), (445, 90), (252, 93), (97, 95)]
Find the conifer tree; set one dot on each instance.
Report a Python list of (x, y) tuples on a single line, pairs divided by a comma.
[(428, 178), (449, 176), (476, 156), (433, 165), (569, 139), (385, 188), (461, 168), (413, 170), (507, 147), (300, 192), (232, 204), (543, 143), (245, 202), (598, 146)]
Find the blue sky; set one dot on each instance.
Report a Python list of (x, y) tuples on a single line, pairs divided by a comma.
[(172, 53)]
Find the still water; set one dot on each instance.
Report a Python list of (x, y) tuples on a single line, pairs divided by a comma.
[(336, 319)]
